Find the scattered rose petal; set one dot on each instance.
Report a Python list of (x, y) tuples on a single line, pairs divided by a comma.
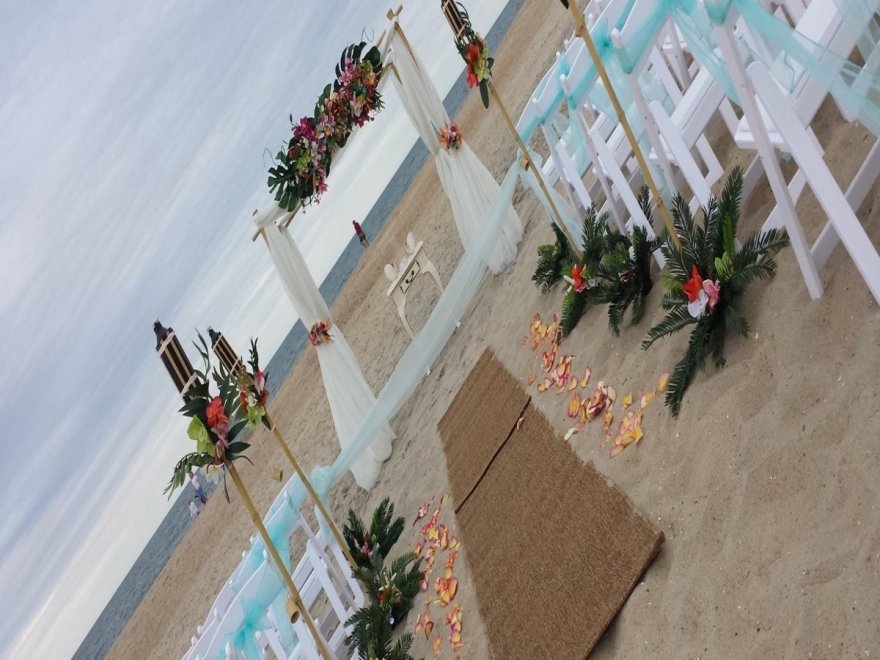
[(570, 432), (609, 417), (438, 642), (519, 423), (586, 379), (663, 382), (429, 627), (531, 379), (647, 397), (628, 400), (573, 384), (574, 405), (423, 511), (616, 449), (612, 395)]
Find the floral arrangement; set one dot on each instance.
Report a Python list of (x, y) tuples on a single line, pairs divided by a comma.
[(320, 333), (216, 420), (706, 280), (450, 137), (584, 279), (253, 393), (299, 174), (475, 53), (391, 589)]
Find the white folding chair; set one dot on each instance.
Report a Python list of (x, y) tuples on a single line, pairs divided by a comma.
[(779, 121)]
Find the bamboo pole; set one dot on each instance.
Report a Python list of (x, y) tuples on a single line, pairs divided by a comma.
[(308, 484), (273, 552), (580, 28), (537, 172)]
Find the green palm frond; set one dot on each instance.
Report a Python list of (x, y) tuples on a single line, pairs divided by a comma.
[(693, 360), (553, 261), (675, 320), (573, 307), (690, 234)]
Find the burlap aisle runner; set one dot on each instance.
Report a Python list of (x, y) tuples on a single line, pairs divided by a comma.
[(554, 548), (486, 407)]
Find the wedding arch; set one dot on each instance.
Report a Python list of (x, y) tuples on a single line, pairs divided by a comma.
[(299, 177)]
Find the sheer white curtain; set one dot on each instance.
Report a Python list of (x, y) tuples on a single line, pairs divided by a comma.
[(470, 187), (348, 393)]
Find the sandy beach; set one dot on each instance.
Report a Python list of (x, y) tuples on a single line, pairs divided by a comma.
[(766, 486)]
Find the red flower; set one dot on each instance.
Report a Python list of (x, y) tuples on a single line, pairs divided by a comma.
[(471, 78), (578, 283), (473, 53), (243, 397), (693, 286), (215, 413)]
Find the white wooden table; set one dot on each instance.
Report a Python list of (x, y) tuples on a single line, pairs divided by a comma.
[(416, 264)]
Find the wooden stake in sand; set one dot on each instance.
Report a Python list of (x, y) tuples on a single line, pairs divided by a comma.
[(233, 362), (276, 558), (460, 25), (580, 29)]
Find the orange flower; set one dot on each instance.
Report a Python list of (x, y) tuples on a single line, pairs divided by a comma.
[(693, 286)]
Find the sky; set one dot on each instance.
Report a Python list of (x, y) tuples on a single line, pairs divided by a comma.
[(133, 149)]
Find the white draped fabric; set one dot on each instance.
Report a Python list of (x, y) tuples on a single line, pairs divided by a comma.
[(348, 393), (470, 187)]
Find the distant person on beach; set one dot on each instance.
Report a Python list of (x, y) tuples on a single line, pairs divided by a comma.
[(197, 485), (193, 508), (362, 237)]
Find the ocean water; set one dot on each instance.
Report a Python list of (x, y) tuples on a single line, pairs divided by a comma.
[(175, 525)]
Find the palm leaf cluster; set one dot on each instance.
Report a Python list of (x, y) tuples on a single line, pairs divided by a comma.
[(710, 247), (395, 586), (391, 588), (618, 267), (624, 272), (371, 635), (596, 242), (384, 532), (554, 260)]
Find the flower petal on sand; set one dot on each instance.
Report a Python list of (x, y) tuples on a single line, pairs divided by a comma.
[(628, 400), (663, 382), (586, 379), (574, 404), (438, 642), (570, 432), (531, 379), (647, 397)]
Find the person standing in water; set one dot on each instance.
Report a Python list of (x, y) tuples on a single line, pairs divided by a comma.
[(362, 237)]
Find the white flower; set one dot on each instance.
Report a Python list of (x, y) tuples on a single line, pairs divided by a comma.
[(698, 307), (213, 472)]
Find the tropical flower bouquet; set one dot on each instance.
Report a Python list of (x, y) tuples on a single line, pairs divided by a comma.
[(475, 53), (216, 421), (706, 280), (299, 173), (320, 333), (450, 137)]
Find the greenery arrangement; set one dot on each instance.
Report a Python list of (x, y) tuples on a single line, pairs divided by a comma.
[(624, 272), (553, 260), (706, 280), (299, 173), (391, 589), (371, 635), (616, 269), (384, 532)]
